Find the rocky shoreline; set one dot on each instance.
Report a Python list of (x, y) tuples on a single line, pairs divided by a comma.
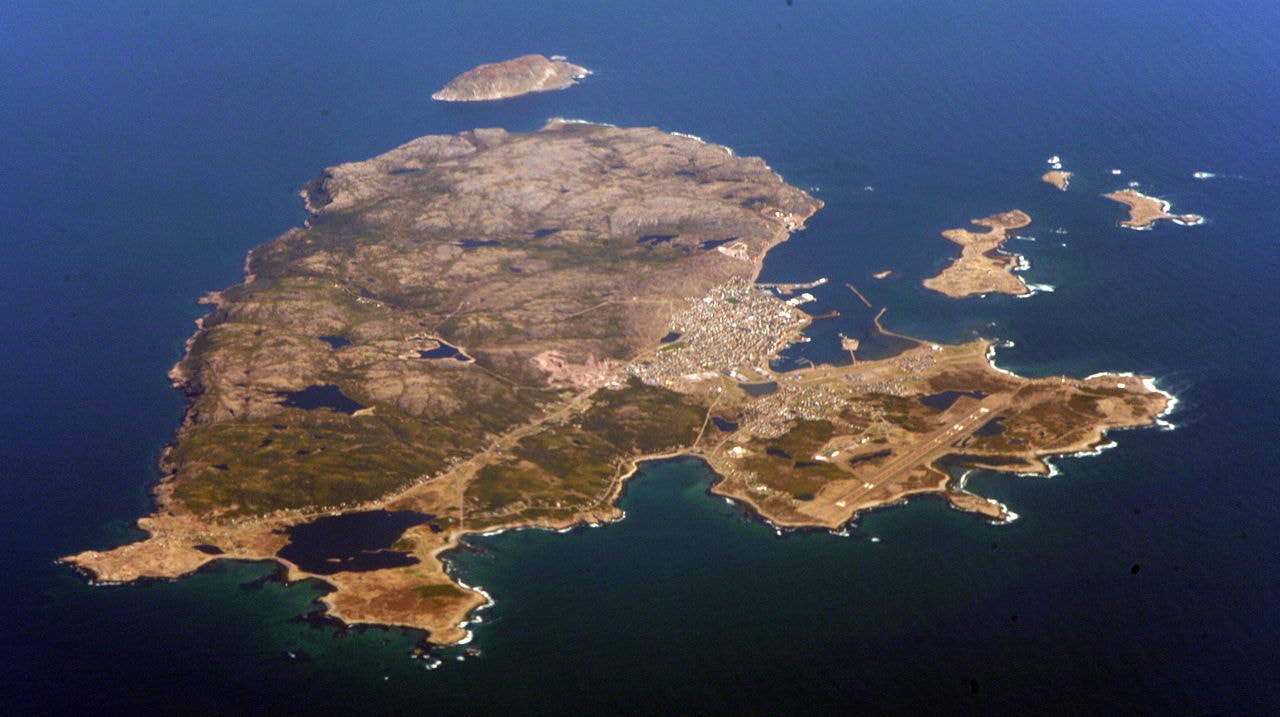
[(512, 78), (557, 263)]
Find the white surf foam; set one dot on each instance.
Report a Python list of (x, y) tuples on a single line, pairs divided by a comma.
[(690, 136), (1162, 420), (991, 356), (575, 120), (1036, 289)]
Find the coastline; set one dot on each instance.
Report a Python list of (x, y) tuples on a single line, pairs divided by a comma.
[(511, 78), (427, 595), (983, 267), (452, 626), (1145, 211), (1057, 178), (165, 550)]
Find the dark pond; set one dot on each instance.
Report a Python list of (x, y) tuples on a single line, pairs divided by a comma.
[(994, 427), (868, 457), (444, 351), (713, 243), (313, 397), (946, 399), (335, 342), (540, 233), (759, 389), (355, 542), (405, 170), (722, 424), (778, 453), (473, 243), (670, 337)]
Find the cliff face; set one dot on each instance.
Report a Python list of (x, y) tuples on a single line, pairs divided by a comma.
[(512, 78)]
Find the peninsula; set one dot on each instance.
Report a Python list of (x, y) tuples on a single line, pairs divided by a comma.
[(512, 78), (1145, 211), (982, 268), (491, 330)]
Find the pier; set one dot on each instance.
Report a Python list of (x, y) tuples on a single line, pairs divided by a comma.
[(788, 289)]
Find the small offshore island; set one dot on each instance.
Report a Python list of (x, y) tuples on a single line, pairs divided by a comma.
[(512, 78), (982, 268), (1057, 178), (489, 331)]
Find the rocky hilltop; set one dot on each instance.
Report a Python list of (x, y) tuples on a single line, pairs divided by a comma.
[(512, 78), (541, 257)]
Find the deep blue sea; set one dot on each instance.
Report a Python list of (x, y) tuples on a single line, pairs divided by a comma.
[(146, 146)]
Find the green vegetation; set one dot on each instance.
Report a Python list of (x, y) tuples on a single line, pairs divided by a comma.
[(308, 459), (393, 260), (444, 592), (584, 463), (786, 462), (571, 465), (498, 486), (644, 419), (902, 411), (805, 440)]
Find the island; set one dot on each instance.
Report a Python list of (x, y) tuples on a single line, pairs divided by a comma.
[(1057, 178), (1145, 211), (512, 78), (982, 268), (490, 331)]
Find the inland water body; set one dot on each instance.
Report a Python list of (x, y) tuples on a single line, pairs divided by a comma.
[(148, 146)]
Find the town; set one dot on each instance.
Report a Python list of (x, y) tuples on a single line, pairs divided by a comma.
[(733, 331)]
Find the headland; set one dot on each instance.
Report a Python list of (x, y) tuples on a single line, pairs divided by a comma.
[(489, 331)]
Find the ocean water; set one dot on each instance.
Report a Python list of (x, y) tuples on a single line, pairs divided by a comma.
[(148, 146)]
